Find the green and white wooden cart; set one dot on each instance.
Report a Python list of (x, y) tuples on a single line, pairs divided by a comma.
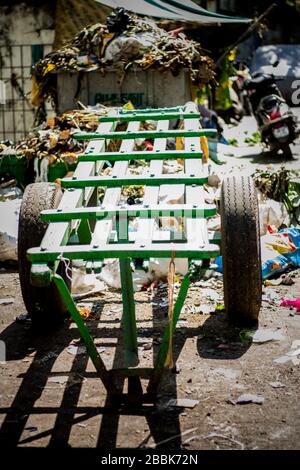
[(57, 227)]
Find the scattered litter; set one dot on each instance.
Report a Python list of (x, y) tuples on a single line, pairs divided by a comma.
[(50, 355), (223, 346), (157, 269), (271, 214), (229, 374), (184, 433), (211, 294), (163, 303), (280, 251), (291, 355), (295, 361), (31, 428), (220, 307), (23, 318), (277, 384), (283, 186), (284, 279), (85, 310), (85, 284), (9, 189), (75, 350), (214, 435), (273, 282), (204, 309), (270, 296), (7, 301), (182, 403), (264, 336), (250, 398), (282, 360), (296, 343), (58, 379), (261, 335), (295, 352)]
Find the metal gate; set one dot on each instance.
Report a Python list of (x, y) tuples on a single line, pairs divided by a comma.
[(16, 111)]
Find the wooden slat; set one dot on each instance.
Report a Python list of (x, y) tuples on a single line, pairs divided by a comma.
[(146, 225), (196, 230), (112, 195), (126, 250), (57, 232)]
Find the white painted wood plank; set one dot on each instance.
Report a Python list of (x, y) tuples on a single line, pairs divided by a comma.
[(57, 231), (145, 225), (112, 196), (196, 229)]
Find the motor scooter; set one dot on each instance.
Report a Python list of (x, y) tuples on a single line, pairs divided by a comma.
[(276, 123)]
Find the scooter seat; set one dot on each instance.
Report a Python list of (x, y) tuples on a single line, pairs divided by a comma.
[(258, 81)]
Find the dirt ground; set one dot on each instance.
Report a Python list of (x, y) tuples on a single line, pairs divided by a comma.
[(50, 395)]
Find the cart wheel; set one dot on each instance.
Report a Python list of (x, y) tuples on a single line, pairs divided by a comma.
[(241, 250), (43, 304)]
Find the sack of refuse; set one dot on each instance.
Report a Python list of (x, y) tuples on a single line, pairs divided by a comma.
[(83, 283), (9, 220), (127, 48), (110, 274), (157, 270)]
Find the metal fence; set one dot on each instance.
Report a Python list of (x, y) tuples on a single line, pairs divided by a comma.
[(16, 111)]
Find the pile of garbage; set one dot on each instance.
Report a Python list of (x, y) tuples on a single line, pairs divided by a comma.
[(53, 138), (282, 186), (125, 40)]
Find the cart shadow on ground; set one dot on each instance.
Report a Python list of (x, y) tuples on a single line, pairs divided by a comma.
[(163, 422)]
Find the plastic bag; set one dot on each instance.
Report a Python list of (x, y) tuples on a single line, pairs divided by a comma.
[(127, 48), (9, 220), (271, 213), (279, 251)]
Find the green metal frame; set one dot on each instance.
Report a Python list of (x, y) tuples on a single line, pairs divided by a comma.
[(102, 228)]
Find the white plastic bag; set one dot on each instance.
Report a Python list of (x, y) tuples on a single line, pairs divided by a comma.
[(127, 48), (9, 220), (271, 213)]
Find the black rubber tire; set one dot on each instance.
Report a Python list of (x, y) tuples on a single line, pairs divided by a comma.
[(241, 250), (43, 304)]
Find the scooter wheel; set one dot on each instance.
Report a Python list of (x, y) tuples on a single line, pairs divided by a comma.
[(287, 152)]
